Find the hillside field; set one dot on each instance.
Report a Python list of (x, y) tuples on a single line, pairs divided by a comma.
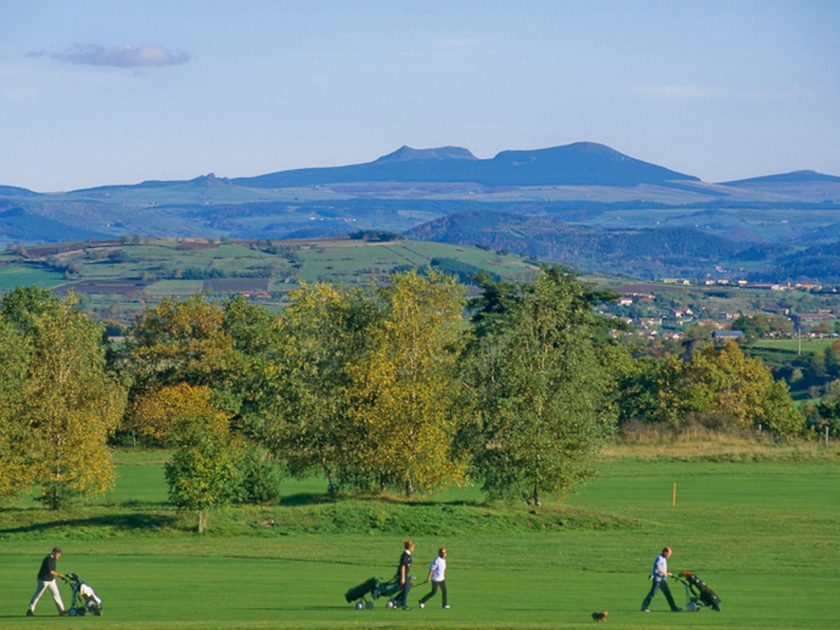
[(762, 534), (792, 345), (115, 280)]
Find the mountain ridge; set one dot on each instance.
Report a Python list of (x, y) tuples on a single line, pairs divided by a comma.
[(580, 163), (785, 178)]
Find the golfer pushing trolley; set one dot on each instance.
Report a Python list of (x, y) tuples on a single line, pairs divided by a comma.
[(660, 574), (46, 581)]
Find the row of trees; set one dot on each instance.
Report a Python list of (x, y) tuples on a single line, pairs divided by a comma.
[(407, 387), (719, 388), (389, 388)]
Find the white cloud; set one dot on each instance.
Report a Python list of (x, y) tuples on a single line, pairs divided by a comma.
[(122, 56)]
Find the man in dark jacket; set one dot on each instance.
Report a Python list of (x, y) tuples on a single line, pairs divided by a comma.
[(403, 576), (46, 580)]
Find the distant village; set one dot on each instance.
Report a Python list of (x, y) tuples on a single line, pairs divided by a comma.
[(652, 310)]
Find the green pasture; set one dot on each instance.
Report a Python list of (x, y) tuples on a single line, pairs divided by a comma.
[(15, 275), (762, 534), (355, 262), (792, 345)]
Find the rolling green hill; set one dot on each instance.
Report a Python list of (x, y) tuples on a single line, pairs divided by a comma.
[(117, 278)]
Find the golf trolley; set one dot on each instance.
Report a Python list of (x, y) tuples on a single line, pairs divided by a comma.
[(697, 593), (374, 588), (85, 600)]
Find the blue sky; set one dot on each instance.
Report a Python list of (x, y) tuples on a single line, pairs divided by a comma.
[(99, 92)]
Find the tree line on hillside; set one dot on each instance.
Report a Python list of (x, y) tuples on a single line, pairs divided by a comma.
[(404, 388)]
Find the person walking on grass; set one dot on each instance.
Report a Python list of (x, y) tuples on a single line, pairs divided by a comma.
[(437, 576), (46, 580), (403, 571), (659, 575)]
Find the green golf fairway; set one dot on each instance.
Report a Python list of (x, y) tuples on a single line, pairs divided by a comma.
[(763, 535)]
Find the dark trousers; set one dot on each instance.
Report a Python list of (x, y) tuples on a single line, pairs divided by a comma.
[(663, 586), (435, 585), (403, 598)]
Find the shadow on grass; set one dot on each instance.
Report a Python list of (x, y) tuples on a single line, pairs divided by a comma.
[(320, 498), (431, 502), (118, 521), (307, 498)]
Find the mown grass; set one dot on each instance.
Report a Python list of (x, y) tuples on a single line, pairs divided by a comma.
[(763, 534), (792, 345)]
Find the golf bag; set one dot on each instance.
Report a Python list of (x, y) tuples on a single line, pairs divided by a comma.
[(373, 588), (85, 600), (698, 593)]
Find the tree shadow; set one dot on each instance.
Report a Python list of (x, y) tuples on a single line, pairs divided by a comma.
[(320, 498), (432, 502), (126, 522), (307, 498)]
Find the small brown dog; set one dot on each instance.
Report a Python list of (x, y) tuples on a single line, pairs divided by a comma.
[(600, 616)]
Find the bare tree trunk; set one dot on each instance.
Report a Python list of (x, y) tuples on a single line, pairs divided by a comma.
[(202, 521)]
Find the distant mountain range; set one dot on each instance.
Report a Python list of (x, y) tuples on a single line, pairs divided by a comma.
[(580, 164), (583, 197), (795, 177)]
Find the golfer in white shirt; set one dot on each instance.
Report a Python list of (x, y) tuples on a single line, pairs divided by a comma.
[(437, 576)]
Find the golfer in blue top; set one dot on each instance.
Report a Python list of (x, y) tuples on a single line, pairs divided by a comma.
[(659, 574)]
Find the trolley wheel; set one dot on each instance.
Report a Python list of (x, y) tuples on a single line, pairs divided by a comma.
[(360, 605), (72, 612), (692, 607), (369, 605), (82, 612), (391, 603)]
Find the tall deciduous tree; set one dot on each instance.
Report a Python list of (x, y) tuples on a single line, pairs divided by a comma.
[(405, 387), (15, 351), (541, 390), (322, 332), (203, 472), (71, 403)]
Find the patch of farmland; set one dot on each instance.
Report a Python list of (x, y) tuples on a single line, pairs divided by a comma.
[(235, 285), (175, 287), (118, 287), (16, 275)]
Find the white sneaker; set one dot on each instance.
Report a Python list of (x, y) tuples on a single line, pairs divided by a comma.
[(422, 605), (447, 606)]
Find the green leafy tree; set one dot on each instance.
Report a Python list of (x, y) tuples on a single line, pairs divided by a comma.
[(832, 360), (153, 413), (308, 424), (828, 414), (762, 324), (176, 342), (70, 403), (541, 390), (197, 343), (203, 473), (405, 387), (719, 388), (15, 352)]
